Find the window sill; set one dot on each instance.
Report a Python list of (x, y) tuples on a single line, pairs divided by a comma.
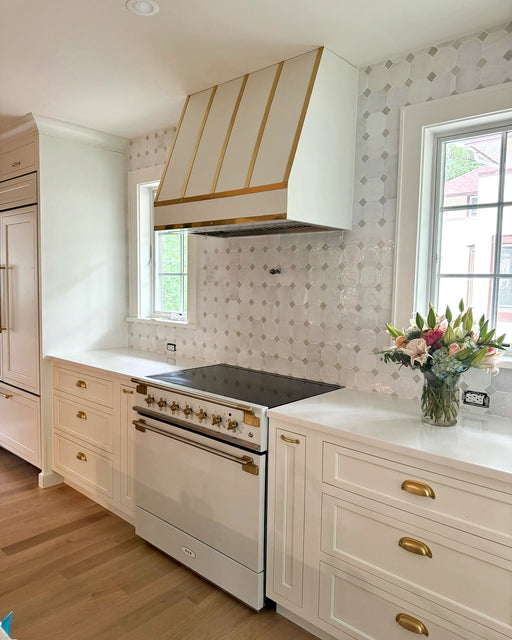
[(162, 322)]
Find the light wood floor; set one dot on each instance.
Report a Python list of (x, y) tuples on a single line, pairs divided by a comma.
[(71, 570)]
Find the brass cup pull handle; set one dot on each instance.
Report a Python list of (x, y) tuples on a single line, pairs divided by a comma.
[(82, 384), (290, 440), (81, 456), (411, 624), (418, 488), (81, 415), (415, 546)]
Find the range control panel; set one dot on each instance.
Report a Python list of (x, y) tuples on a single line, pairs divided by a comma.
[(228, 422)]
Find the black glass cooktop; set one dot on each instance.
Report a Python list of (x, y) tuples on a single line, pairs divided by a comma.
[(256, 387)]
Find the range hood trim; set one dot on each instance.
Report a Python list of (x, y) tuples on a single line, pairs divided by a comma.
[(240, 220)]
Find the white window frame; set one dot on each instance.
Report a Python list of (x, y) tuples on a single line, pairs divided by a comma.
[(420, 127), (141, 184)]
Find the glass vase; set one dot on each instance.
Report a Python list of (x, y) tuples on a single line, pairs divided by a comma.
[(440, 400)]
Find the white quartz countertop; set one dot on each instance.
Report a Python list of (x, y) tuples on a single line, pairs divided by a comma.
[(127, 362), (477, 444)]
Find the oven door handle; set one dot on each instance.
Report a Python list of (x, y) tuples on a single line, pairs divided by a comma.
[(246, 461)]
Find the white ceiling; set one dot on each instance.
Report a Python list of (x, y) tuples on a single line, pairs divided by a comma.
[(93, 63)]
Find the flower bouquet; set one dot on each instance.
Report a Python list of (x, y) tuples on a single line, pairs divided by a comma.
[(442, 349)]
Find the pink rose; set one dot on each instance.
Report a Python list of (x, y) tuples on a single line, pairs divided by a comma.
[(400, 341), (453, 349)]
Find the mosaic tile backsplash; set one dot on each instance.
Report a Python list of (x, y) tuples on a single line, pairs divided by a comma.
[(322, 317)]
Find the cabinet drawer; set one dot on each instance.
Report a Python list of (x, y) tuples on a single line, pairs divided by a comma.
[(451, 569), (80, 383), (19, 424), (74, 460), (83, 421), (18, 192), (364, 611), (19, 160), (479, 510)]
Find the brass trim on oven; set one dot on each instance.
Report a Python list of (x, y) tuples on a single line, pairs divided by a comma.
[(215, 223), (224, 194), (248, 464)]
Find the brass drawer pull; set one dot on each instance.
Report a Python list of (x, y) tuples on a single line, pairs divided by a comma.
[(16, 164), (81, 415), (128, 391), (81, 456), (415, 546), (82, 384), (290, 440), (6, 395), (411, 624), (418, 488)]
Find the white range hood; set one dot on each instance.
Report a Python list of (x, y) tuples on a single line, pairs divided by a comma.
[(269, 152)]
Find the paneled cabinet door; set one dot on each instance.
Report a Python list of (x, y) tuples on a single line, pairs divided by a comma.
[(127, 448), (288, 481), (19, 313)]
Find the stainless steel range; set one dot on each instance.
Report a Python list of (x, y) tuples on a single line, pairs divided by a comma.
[(200, 465)]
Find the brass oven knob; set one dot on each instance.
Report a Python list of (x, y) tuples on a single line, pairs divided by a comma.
[(216, 419), (201, 415), (149, 399), (232, 425), (162, 403), (175, 406), (188, 410)]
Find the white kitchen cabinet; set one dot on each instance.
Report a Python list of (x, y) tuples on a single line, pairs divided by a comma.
[(392, 541), (64, 288), (19, 314), (93, 435), (19, 424), (286, 512), (127, 449)]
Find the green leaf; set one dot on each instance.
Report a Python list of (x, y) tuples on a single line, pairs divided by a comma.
[(449, 336), (431, 318), (461, 305), (393, 331), (467, 321), (420, 323), (501, 340), (448, 314), (478, 356), (464, 353), (483, 329), (481, 321)]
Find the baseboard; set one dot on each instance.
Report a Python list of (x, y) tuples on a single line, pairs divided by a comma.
[(300, 622), (49, 479)]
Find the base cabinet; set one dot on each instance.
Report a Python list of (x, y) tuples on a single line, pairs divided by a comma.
[(20, 424), (363, 545), (93, 435)]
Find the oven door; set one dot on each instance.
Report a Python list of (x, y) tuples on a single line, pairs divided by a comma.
[(210, 490)]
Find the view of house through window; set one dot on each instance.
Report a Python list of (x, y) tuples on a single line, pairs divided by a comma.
[(473, 227)]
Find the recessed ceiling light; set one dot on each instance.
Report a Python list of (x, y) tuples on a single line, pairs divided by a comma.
[(145, 8)]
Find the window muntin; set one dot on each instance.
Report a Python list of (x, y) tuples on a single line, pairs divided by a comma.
[(473, 225)]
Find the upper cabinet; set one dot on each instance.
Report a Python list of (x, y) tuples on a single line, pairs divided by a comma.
[(278, 143)]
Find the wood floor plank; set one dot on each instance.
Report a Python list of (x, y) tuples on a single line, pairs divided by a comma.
[(71, 570)]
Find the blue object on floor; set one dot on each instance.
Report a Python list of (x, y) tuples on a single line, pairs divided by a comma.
[(6, 623)]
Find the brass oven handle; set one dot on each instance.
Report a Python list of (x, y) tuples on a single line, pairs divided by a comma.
[(290, 440), (418, 488), (415, 546), (247, 462), (411, 624), (82, 384), (81, 456), (81, 415)]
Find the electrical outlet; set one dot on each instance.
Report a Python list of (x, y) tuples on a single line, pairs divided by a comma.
[(475, 398), (171, 346)]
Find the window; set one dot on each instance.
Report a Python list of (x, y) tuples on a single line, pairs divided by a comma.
[(162, 263), (454, 176), (472, 243)]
